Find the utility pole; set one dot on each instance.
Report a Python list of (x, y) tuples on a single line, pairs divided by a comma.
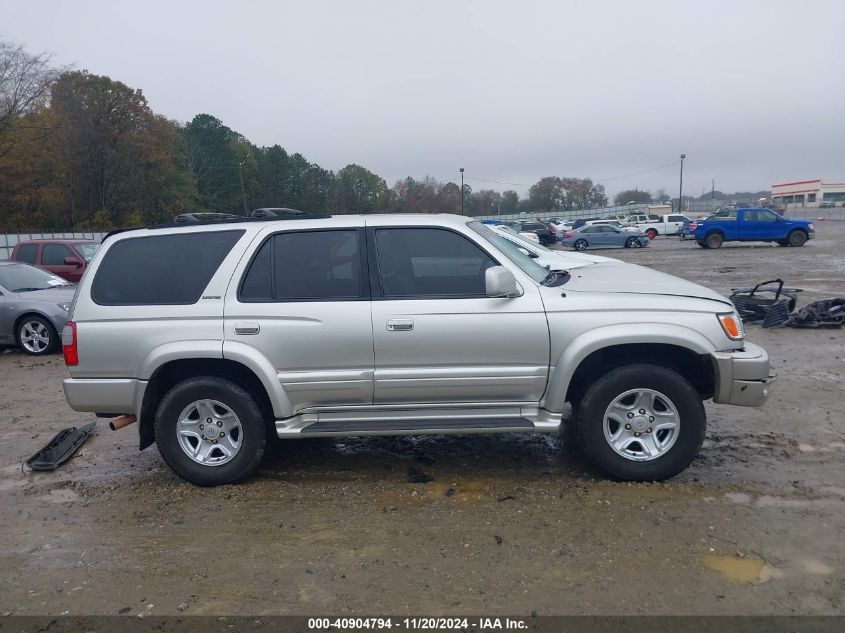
[(241, 172), (713, 192), (462, 190), (681, 186)]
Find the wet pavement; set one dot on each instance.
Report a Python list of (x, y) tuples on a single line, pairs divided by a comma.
[(507, 523)]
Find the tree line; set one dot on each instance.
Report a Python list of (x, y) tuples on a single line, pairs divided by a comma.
[(86, 151)]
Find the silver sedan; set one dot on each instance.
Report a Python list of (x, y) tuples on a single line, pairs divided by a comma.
[(33, 307)]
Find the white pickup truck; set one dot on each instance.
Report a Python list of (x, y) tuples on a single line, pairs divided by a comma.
[(654, 225)]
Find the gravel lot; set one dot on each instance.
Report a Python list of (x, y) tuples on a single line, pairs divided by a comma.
[(510, 524)]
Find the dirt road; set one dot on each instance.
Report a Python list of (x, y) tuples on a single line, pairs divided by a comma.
[(509, 524)]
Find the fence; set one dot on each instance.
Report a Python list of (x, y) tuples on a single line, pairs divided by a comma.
[(8, 240)]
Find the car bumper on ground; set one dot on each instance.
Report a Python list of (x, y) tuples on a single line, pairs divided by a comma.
[(104, 395), (742, 376)]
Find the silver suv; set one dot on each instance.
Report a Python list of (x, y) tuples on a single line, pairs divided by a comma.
[(212, 335)]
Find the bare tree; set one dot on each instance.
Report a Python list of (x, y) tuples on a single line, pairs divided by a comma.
[(25, 81)]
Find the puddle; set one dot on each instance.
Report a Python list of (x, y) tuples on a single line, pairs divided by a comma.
[(750, 569), (816, 567)]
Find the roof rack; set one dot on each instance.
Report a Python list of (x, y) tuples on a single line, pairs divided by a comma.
[(239, 220)]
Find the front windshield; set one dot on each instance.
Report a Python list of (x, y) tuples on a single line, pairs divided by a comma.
[(525, 263), (25, 278), (521, 238), (87, 249)]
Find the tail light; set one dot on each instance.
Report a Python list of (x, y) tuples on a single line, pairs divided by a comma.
[(69, 344), (692, 226), (567, 235)]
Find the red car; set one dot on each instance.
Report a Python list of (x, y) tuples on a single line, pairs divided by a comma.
[(65, 258)]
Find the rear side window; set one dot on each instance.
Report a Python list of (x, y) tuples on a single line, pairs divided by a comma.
[(54, 254), (305, 266), (162, 269), (26, 253)]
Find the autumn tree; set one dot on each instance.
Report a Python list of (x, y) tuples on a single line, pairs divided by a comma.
[(631, 195), (547, 194)]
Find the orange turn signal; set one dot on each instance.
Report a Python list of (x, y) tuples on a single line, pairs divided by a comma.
[(732, 326)]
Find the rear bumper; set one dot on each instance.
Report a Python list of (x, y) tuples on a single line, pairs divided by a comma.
[(742, 376), (105, 395)]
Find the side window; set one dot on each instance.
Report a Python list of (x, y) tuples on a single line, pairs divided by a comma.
[(54, 254), (677, 218), (423, 262), (766, 216), (653, 218), (169, 269), (26, 253), (316, 265), (257, 286)]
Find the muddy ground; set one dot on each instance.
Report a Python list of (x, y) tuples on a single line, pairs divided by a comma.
[(510, 524)]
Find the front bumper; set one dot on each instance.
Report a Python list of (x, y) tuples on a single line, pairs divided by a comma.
[(742, 376), (105, 395)]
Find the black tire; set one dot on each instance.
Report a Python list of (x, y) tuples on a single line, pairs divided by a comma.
[(782, 243), (702, 244), (797, 238), (691, 429), (714, 240), (632, 242), (241, 402), (580, 245), (29, 324)]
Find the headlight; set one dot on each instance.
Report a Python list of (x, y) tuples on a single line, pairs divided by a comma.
[(732, 325), (812, 228), (64, 306)]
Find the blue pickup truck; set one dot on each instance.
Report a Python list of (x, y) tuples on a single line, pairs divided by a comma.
[(750, 225)]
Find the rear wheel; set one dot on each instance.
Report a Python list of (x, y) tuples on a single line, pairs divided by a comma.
[(714, 240), (652, 233), (797, 238), (580, 245), (36, 336), (210, 431), (641, 422)]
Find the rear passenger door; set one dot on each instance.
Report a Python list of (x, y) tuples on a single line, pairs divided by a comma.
[(437, 337), (300, 307)]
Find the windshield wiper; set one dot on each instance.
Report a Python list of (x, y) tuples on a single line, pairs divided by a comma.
[(28, 289), (556, 278)]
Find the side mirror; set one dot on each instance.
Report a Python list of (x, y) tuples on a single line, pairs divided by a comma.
[(500, 282), (72, 261)]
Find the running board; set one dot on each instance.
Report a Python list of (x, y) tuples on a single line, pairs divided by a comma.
[(391, 427)]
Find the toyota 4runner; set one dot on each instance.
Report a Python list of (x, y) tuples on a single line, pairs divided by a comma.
[(212, 335)]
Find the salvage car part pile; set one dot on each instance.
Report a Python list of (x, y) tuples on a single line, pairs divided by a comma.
[(774, 307)]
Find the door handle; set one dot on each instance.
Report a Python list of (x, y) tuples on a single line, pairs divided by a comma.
[(247, 327), (400, 325)]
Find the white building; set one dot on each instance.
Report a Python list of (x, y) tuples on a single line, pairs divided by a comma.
[(808, 193)]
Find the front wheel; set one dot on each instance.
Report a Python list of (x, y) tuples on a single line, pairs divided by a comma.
[(36, 336), (210, 431), (641, 422), (632, 242), (580, 245), (797, 238)]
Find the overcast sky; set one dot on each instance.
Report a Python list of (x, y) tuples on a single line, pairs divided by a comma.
[(752, 91)]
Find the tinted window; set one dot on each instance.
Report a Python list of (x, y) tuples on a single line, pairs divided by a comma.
[(26, 253), (316, 265), (677, 218), (430, 262), (258, 281), (654, 218), (162, 269), (54, 254)]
